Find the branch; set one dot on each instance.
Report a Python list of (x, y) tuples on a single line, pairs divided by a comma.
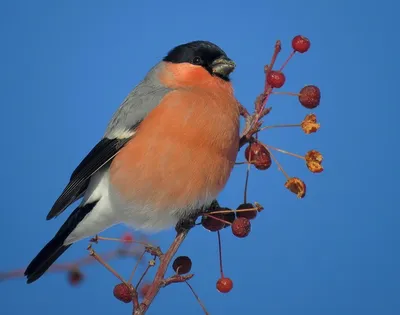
[(162, 269)]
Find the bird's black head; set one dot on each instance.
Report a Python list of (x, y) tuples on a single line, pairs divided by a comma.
[(204, 54)]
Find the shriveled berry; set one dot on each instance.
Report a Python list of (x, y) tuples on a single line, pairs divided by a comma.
[(144, 288), (127, 237), (301, 44), (296, 186), (258, 155), (241, 227), (276, 79), (309, 97), (224, 285), (251, 214), (211, 223), (182, 265), (123, 293), (75, 276)]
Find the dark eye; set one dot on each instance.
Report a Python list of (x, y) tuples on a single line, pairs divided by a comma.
[(197, 60)]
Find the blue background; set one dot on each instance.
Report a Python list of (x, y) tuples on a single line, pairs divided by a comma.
[(66, 66)]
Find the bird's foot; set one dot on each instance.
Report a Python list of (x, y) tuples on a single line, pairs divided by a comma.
[(185, 224)]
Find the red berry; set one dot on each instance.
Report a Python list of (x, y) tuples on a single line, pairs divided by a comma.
[(212, 224), (246, 214), (127, 237), (75, 276), (224, 285), (258, 155), (241, 227), (309, 97), (301, 44), (145, 287), (123, 293), (276, 79), (182, 265)]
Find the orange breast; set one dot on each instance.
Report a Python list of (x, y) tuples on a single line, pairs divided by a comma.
[(182, 152)]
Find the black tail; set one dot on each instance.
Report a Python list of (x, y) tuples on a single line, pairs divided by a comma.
[(55, 248), (47, 256)]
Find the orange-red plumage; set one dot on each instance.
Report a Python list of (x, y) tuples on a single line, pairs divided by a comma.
[(186, 147)]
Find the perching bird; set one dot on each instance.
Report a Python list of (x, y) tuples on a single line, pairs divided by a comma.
[(167, 152)]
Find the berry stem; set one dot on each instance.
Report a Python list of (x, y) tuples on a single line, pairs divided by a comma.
[(237, 210), (144, 274), (246, 182), (105, 265), (286, 93), (101, 238), (286, 152), (277, 163), (280, 126), (136, 266), (241, 163), (197, 298), (220, 254), (216, 218), (287, 60)]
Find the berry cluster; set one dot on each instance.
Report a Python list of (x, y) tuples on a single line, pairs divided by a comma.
[(260, 154)]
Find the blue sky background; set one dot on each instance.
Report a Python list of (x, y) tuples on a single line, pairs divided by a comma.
[(67, 65)]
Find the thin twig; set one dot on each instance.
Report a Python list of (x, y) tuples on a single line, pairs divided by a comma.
[(246, 182), (277, 163), (177, 279), (197, 298), (279, 126), (220, 254), (218, 219), (285, 152), (136, 266), (150, 264), (236, 210), (287, 60), (113, 239), (105, 264)]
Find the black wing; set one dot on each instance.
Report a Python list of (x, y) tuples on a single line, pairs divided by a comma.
[(101, 154)]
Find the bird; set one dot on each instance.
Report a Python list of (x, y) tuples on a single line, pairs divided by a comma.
[(167, 152)]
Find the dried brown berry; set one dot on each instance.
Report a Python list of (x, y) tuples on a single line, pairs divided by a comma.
[(182, 265), (251, 214), (123, 293), (224, 285), (258, 155), (310, 96), (241, 227), (313, 161), (309, 124), (296, 186), (75, 276)]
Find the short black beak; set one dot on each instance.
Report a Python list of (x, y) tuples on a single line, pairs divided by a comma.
[(222, 66)]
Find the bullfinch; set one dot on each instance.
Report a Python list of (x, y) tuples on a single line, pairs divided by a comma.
[(167, 153)]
